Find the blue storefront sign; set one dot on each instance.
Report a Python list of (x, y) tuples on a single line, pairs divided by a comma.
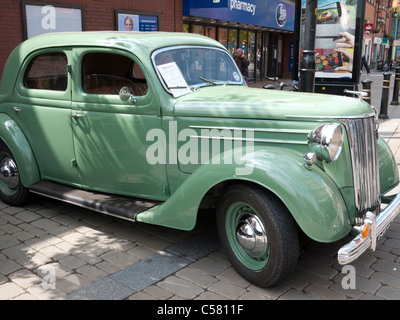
[(265, 13), (211, 3)]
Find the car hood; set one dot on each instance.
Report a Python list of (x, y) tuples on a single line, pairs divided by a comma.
[(252, 103)]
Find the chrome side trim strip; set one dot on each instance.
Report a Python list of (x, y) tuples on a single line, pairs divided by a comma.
[(250, 140)]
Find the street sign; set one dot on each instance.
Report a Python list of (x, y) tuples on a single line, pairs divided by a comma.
[(368, 26)]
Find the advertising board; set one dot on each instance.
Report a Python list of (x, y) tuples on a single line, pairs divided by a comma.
[(338, 39)]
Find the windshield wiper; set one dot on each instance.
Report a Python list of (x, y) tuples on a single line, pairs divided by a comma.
[(214, 82), (208, 81)]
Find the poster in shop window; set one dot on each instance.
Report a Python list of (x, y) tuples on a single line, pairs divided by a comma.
[(336, 38)]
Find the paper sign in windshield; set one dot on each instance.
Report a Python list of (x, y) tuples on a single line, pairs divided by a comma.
[(174, 79)]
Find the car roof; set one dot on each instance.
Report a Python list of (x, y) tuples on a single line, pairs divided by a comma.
[(141, 44), (149, 41)]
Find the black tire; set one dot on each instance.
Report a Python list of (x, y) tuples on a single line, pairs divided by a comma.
[(266, 253), (12, 191)]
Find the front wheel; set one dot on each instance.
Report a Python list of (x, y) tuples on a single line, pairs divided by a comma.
[(258, 235)]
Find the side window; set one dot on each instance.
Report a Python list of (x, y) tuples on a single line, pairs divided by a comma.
[(107, 73), (47, 72)]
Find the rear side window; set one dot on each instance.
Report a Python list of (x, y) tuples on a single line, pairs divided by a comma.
[(107, 73), (47, 72)]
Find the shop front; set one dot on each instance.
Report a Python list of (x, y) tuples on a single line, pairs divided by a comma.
[(262, 28)]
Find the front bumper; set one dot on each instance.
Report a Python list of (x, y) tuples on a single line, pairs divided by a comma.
[(377, 225)]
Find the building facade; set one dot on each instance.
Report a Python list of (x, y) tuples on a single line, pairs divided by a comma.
[(262, 28), (377, 32), (22, 19)]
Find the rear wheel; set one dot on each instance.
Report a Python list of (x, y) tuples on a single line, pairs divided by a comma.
[(258, 234), (12, 191)]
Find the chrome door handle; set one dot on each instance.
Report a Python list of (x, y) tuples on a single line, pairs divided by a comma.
[(16, 109), (76, 116)]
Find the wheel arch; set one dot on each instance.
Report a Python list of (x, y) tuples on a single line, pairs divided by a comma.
[(13, 136)]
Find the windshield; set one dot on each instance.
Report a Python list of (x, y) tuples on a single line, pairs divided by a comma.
[(182, 67)]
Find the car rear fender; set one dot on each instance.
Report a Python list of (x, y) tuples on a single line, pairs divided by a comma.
[(15, 139)]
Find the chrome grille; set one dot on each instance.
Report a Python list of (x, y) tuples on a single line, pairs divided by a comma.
[(364, 155)]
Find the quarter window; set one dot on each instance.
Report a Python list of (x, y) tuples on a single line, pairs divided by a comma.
[(107, 73), (47, 72)]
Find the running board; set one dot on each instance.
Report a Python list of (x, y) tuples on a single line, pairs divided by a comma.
[(115, 205)]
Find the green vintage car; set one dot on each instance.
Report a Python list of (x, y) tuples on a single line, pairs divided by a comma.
[(151, 127)]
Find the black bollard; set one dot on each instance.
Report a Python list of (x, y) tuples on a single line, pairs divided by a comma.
[(395, 100), (366, 87), (385, 96)]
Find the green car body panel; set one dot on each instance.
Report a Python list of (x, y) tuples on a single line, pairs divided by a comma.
[(99, 142)]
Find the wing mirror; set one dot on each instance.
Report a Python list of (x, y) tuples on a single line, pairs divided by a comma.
[(125, 94)]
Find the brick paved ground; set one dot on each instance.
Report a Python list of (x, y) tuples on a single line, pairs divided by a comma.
[(93, 256)]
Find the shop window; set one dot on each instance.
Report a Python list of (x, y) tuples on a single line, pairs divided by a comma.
[(198, 29), (106, 73), (186, 27), (223, 37), (47, 72), (243, 40), (210, 32), (232, 41)]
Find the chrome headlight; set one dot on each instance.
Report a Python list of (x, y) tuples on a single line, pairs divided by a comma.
[(326, 141)]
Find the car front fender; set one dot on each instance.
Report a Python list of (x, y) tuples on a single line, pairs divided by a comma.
[(311, 196), (15, 139)]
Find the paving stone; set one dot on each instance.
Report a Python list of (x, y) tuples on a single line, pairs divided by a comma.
[(200, 278), (386, 279), (20, 250), (7, 241), (227, 289), (251, 296), (91, 272), (9, 291), (180, 287), (120, 259), (272, 293), (197, 246), (46, 294), (297, 295), (45, 224), (210, 266), (386, 266), (27, 216), (324, 293), (72, 282), (210, 296), (232, 276), (8, 266), (25, 278), (72, 262), (321, 270), (105, 289), (151, 270), (141, 296), (158, 292), (389, 293)]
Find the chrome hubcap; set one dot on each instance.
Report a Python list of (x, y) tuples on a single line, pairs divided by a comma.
[(251, 235), (9, 173)]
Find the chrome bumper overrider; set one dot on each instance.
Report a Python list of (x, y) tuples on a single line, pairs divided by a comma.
[(377, 226)]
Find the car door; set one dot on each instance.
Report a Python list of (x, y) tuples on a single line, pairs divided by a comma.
[(110, 134), (43, 111)]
